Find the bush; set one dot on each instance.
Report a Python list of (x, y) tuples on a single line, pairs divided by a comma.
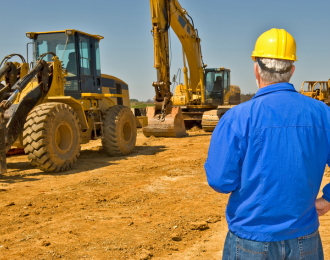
[(246, 97)]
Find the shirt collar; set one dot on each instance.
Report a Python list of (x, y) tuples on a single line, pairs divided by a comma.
[(285, 86)]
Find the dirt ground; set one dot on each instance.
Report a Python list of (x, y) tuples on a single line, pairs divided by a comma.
[(153, 204)]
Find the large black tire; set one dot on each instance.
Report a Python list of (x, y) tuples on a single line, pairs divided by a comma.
[(51, 137), (119, 129)]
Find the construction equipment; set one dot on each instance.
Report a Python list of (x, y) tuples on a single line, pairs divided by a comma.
[(319, 90), (63, 102), (203, 90), (10, 73)]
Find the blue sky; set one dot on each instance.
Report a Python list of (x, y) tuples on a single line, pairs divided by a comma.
[(228, 30)]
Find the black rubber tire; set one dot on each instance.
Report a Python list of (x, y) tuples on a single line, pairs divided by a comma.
[(119, 127), (52, 137)]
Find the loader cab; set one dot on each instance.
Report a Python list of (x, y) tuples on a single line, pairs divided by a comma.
[(217, 85), (80, 56)]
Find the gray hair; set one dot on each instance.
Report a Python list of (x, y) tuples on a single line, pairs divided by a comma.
[(278, 65)]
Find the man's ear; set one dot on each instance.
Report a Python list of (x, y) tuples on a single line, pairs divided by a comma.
[(293, 69), (256, 72)]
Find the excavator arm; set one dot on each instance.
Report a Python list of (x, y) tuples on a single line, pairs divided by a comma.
[(163, 119), (166, 14), (183, 26), (160, 12)]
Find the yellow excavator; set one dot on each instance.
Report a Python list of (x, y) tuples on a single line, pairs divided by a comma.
[(206, 94), (62, 102)]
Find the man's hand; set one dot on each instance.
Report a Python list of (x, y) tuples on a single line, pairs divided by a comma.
[(322, 206)]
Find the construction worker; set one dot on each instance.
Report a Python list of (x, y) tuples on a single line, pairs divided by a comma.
[(270, 154)]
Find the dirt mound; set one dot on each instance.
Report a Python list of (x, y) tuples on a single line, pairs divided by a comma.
[(195, 129)]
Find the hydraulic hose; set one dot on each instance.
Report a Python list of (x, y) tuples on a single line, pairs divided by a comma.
[(4, 69), (21, 84)]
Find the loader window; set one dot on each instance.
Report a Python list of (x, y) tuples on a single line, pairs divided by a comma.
[(62, 45), (85, 56), (64, 48), (42, 47), (97, 55)]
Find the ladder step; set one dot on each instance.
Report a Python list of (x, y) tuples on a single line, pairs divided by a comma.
[(98, 123)]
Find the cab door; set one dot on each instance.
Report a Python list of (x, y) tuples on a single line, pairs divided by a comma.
[(96, 64), (86, 64), (226, 81)]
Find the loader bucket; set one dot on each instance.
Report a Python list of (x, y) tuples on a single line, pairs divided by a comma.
[(172, 126)]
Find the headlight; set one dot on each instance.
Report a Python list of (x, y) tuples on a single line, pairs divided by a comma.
[(30, 35), (69, 32)]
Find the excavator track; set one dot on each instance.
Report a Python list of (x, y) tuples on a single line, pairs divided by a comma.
[(211, 118)]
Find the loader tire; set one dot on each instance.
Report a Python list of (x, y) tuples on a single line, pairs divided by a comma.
[(119, 129), (51, 137)]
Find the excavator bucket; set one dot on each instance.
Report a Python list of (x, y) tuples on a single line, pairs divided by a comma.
[(172, 126)]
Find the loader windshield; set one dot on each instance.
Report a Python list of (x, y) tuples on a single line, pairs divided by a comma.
[(64, 48)]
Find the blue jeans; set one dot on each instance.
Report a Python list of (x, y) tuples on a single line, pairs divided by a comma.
[(302, 248)]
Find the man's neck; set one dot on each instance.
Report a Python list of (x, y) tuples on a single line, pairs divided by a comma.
[(262, 84)]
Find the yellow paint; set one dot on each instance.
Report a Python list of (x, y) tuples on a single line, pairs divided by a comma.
[(78, 106), (113, 77), (95, 36), (88, 101), (192, 92), (317, 89), (100, 96), (275, 44), (24, 69)]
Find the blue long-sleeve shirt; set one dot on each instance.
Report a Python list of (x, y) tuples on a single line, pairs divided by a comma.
[(270, 153)]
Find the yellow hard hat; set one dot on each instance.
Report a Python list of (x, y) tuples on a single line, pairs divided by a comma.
[(275, 44)]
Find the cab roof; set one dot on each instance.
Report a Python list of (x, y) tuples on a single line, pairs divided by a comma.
[(67, 32)]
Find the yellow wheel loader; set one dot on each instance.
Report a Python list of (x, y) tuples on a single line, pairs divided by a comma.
[(319, 90), (63, 102), (206, 94)]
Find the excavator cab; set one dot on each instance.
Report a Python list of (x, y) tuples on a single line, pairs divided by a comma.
[(80, 56), (217, 85)]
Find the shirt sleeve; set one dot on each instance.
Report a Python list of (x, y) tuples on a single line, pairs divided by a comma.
[(326, 189), (224, 162)]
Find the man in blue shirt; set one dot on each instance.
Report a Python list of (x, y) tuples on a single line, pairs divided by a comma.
[(270, 154)]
